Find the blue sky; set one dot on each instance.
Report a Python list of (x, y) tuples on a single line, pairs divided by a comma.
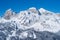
[(18, 5)]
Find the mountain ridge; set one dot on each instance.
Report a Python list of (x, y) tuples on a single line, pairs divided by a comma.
[(35, 17), (12, 24)]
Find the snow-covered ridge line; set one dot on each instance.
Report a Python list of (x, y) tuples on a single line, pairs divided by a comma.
[(10, 12), (40, 20)]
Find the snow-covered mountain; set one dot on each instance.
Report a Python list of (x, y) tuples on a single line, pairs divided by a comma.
[(39, 20)]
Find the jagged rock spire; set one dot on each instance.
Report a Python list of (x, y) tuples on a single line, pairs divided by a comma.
[(9, 13)]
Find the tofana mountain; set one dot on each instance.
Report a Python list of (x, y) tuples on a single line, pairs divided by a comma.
[(30, 24)]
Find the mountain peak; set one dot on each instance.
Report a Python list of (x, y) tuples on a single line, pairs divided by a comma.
[(9, 13), (45, 12), (9, 9), (32, 8), (42, 10)]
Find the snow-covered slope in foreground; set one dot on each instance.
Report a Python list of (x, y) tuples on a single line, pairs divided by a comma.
[(39, 20)]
